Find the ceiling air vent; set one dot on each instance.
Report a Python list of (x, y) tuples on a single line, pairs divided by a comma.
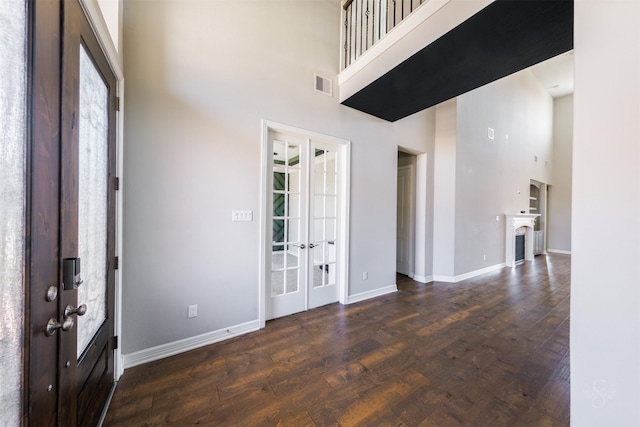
[(323, 84)]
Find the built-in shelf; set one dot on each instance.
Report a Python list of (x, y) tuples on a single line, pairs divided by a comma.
[(534, 192)]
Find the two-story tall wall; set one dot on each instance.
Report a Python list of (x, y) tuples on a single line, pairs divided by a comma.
[(201, 75), (503, 139)]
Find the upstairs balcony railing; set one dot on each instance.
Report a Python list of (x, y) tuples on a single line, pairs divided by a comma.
[(368, 21)]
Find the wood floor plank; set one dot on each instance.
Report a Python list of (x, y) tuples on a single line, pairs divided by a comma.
[(492, 350)]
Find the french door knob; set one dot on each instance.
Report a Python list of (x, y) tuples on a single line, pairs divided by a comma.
[(53, 325), (80, 311), (312, 245), (301, 246)]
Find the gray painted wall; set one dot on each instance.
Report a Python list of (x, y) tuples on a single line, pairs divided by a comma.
[(559, 225), (492, 175), (201, 75), (477, 178), (605, 235), (444, 193)]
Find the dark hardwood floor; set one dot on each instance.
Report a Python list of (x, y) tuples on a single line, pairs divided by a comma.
[(493, 350)]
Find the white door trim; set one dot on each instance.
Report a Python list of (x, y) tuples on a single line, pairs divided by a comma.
[(343, 233)]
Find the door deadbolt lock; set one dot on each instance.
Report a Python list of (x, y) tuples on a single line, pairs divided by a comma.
[(53, 325), (70, 311), (71, 273)]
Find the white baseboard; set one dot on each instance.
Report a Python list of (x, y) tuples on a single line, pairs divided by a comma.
[(372, 294), (558, 251), (423, 279), (181, 346), (119, 366), (447, 279), (469, 275)]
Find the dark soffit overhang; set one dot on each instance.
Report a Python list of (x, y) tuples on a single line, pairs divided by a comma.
[(505, 37)]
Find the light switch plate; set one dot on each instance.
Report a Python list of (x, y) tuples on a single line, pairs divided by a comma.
[(241, 216)]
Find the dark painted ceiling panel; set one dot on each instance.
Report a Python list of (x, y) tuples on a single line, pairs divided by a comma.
[(503, 38)]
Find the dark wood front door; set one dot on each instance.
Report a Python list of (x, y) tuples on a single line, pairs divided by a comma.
[(72, 220)]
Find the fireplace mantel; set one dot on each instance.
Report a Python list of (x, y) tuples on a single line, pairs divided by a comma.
[(514, 221)]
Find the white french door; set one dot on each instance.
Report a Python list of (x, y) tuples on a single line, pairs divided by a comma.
[(323, 225), (289, 232), (304, 223)]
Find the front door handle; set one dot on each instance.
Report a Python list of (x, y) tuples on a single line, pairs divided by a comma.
[(70, 311), (53, 325)]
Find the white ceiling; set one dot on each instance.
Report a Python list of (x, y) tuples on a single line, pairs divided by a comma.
[(556, 74)]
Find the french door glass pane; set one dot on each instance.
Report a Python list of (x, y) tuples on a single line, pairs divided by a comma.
[(278, 180), (293, 154), (319, 206), (319, 182), (278, 230), (319, 160), (318, 266), (294, 205), (318, 271), (279, 153), (330, 185), (330, 255), (330, 211), (330, 160), (330, 230), (318, 229), (293, 231), (12, 196), (293, 260), (93, 186), (292, 280)]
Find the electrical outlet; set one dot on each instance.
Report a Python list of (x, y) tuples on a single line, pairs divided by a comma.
[(193, 311), (365, 276), (484, 257), (241, 216)]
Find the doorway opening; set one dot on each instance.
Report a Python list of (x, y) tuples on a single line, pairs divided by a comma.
[(405, 219)]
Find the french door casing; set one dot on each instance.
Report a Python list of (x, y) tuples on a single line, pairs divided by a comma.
[(71, 214), (304, 229)]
